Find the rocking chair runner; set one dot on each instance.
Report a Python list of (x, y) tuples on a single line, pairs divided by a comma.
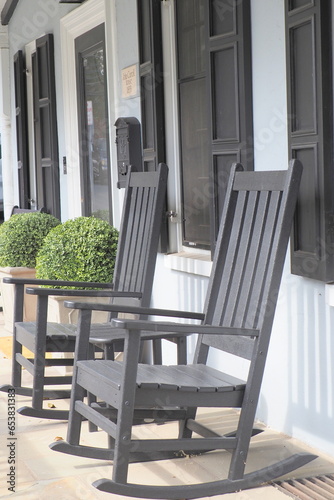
[(133, 279), (238, 318)]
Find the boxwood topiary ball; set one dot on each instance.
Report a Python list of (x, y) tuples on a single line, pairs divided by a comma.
[(81, 249), (21, 237)]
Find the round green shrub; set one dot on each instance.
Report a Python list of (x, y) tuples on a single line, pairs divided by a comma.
[(81, 249), (21, 236)]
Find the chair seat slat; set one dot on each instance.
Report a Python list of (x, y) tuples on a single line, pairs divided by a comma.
[(56, 330), (191, 378), (147, 379)]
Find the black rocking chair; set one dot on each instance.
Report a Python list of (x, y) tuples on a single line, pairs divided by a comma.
[(143, 213), (237, 319)]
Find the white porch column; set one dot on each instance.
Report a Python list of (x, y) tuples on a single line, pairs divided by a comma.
[(5, 123)]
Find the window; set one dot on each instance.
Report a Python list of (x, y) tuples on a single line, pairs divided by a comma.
[(215, 106), (310, 108)]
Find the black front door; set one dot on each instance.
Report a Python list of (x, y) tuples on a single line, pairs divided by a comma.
[(93, 124)]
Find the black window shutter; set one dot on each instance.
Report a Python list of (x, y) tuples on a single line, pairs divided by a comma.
[(215, 102), (309, 75), (152, 91), (230, 96), (46, 139), (21, 129)]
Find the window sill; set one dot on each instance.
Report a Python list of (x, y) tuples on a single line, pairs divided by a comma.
[(193, 263)]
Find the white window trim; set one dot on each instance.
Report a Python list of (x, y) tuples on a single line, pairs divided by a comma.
[(172, 125), (183, 259), (186, 262)]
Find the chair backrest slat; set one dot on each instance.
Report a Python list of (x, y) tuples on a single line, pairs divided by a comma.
[(262, 267), (249, 260), (147, 219), (134, 241), (254, 261), (140, 232), (231, 267), (250, 253)]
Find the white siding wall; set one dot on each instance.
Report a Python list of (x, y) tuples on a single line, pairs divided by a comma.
[(298, 389)]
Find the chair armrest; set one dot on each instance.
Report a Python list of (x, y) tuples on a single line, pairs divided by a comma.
[(34, 281), (159, 326), (81, 293), (147, 311)]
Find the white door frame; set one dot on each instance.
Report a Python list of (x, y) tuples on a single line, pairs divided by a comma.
[(76, 23)]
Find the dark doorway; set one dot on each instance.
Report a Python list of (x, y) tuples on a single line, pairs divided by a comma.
[(93, 124)]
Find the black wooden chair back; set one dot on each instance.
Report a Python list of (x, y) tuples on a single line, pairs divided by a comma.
[(250, 254), (140, 233)]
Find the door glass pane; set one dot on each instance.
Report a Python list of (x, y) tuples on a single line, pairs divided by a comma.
[(196, 185), (45, 132), (147, 112), (306, 210), (225, 98), (222, 18), (296, 4), (97, 124), (303, 78), (191, 37)]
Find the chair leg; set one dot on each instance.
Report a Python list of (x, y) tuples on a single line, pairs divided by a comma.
[(126, 408), (181, 350), (75, 419), (109, 352), (244, 433), (36, 409), (38, 379), (83, 350), (90, 397), (111, 442), (17, 347), (157, 352), (16, 367), (39, 363), (184, 432), (16, 382)]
